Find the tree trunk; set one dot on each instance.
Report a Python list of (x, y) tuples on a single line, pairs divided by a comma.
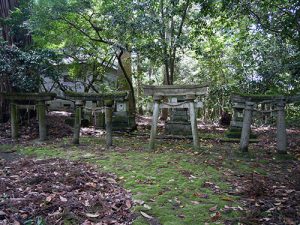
[(164, 112), (139, 84), (124, 60)]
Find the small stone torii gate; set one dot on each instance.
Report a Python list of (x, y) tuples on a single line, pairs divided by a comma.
[(108, 98), (28, 100), (189, 92), (247, 104)]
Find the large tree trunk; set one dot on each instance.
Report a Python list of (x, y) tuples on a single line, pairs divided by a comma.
[(5, 7), (124, 60)]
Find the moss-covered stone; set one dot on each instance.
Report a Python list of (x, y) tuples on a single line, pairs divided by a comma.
[(241, 97), (38, 96), (96, 96), (237, 134)]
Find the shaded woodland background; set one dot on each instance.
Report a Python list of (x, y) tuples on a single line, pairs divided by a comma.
[(234, 46)]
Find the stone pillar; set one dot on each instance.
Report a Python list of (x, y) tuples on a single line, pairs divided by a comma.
[(245, 136), (281, 129), (154, 121), (234, 116), (41, 109), (193, 119), (14, 121), (100, 115), (108, 121), (77, 122)]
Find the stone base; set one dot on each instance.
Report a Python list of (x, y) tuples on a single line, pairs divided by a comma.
[(236, 124), (235, 132), (178, 128), (122, 121)]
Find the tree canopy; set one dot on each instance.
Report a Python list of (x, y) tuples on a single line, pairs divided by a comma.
[(231, 44)]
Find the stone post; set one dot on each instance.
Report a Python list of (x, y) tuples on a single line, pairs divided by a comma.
[(41, 109), (281, 129), (108, 121), (77, 122), (234, 116), (100, 121), (193, 119), (245, 136), (154, 120), (14, 120)]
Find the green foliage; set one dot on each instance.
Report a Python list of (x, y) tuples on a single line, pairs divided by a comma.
[(25, 69), (293, 115), (235, 46)]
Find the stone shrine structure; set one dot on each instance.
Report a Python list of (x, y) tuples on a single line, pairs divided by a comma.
[(245, 105), (188, 95), (179, 123), (28, 100), (108, 99)]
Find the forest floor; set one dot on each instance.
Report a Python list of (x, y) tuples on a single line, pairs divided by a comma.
[(55, 182)]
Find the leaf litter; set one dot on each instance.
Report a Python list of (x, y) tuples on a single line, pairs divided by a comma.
[(60, 191)]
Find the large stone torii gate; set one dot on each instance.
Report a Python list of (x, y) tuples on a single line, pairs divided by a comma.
[(247, 104), (189, 92)]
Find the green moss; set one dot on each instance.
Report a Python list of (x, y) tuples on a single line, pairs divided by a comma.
[(6, 148), (167, 180), (237, 132), (256, 97), (108, 95), (29, 96)]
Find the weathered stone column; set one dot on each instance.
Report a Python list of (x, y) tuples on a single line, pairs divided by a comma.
[(41, 110), (245, 136), (234, 116), (100, 116), (193, 119), (154, 121), (77, 122), (14, 121), (281, 129), (108, 121)]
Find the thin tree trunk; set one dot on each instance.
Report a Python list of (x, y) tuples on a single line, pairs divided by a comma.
[(139, 84)]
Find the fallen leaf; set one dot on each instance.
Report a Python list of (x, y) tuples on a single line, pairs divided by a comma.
[(128, 204), (215, 216), (87, 222), (91, 184), (146, 206), (226, 198), (146, 215), (139, 202), (49, 198), (213, 209), (201, 195), (90, 215), (16, 222), (195, 202), (63, 199)]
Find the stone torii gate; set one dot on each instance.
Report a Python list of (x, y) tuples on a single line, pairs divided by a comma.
[(189, 92), (108, 98), (247, 104), (21, 100)]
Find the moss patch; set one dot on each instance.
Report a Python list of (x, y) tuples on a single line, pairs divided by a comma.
[(175, 184)]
